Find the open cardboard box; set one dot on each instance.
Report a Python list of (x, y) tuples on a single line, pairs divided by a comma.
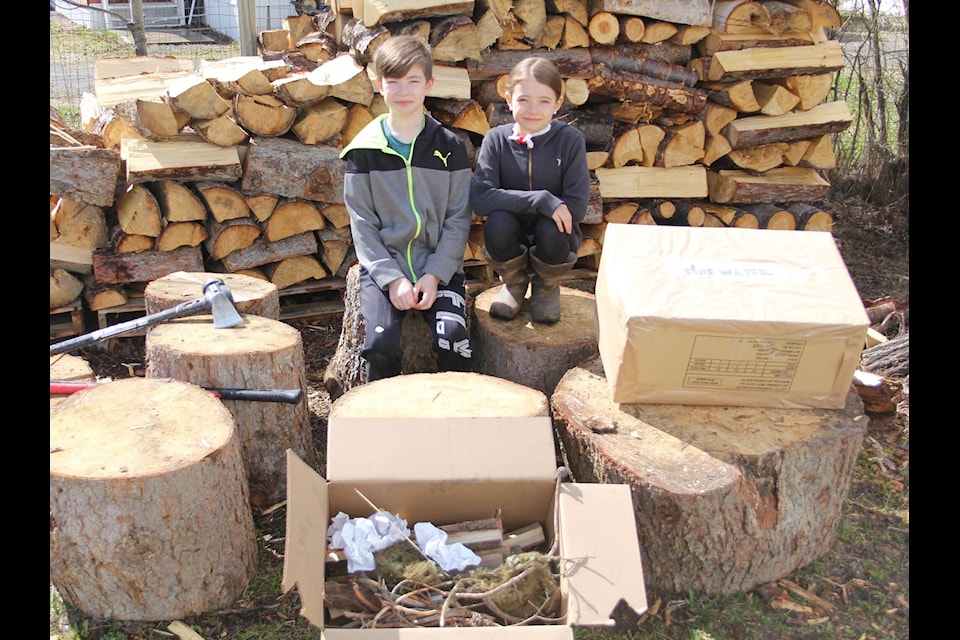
[(448, 470), (727, 316)]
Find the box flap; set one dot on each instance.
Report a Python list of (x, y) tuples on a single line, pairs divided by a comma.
[(544, 632), (598, 538), (306, 537), (476, 449)]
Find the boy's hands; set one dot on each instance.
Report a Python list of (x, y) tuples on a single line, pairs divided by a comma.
[(563, 218), (426, 289), (405, 295)]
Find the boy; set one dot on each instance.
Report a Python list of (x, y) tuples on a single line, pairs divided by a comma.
[(407, 190)]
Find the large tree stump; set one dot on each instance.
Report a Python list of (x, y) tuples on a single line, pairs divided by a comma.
[(438, 395), (261, 353), (348, 369), (725, 498), (250, 295), (534, 355), (149, 512)]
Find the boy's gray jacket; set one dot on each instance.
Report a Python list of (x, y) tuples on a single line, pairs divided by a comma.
[(408, 218)]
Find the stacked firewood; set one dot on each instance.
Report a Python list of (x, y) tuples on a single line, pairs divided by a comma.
[(697, 113)]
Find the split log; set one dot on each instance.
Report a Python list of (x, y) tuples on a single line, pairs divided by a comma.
[(786, 17), (261, 353), (79, 225), (181, 234), (776, 62), (732, 16), (123, 242), (488, 28), (361, 40), (298, 26), (292, 169), (263, 115), (676, 150), (751, 38), (782, 184), (318, 46), (335, 244), (230, 235), (84, 174), (455, 38), (750, 499), (889, 359), (64, 288), (320, 122), (68, 368), (822, 13), (690, 34), (715, 147), (534, 355), (879, 394), (460, 114), (824, 119), (250, 296), (292, 216), (737, 95), (493, 63), (698, 12), (71, 258), (403, 10), (123, 456), (658, 31), (184, 160), (138, 211), (336, 214), (262, 205), (262, 252), (819, 154), (178, 203), (774, 99), (274, 40), (124, 268), (297, 90), (290, 271), (160, 118), (574, 35), (439, 395), (241, 74), (760, 158), (653, 182), (223, 201), (194, 95), (222, 131), (101, 295)]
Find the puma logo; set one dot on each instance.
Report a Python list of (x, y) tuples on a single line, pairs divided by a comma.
[(558, 162), (443, 158)]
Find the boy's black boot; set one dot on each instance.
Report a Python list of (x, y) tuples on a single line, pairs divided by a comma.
[(513, 274), (545, 298)]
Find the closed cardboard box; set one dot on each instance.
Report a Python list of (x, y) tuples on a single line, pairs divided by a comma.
[(727, 316)]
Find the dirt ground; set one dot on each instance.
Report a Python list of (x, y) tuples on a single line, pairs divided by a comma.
[(874, 243)]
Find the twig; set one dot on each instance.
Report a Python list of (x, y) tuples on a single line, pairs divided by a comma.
[(394, 525)]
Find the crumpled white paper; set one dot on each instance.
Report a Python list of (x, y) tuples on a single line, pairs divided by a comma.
[(361, 538), (450, 557)]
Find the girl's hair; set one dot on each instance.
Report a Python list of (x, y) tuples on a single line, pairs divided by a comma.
[(399, 54), (539, 70)]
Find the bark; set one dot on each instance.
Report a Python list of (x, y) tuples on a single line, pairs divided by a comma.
[(124, 268), (85, 174), (291, 169)]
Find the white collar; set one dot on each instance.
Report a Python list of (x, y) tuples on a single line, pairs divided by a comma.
[(527, 139)]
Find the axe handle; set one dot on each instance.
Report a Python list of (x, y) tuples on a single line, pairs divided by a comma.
[(289, 396)]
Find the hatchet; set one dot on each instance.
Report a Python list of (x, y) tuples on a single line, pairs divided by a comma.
[(216, 298)]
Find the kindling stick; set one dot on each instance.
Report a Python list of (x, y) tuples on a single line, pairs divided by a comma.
[(289, 396)]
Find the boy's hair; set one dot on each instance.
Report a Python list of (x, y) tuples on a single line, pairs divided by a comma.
[(399, 54), (539, 70)]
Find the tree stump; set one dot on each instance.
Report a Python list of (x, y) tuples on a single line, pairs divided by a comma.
[(725, 498), (534, 355), (67, 368), (261, 353), (348, 369), (149, 512), (250, 295), (439, 395)]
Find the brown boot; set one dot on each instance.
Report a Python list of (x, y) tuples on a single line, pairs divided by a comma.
[(545, 298), (513, 274)]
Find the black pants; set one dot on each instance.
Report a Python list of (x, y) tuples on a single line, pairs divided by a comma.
[(447, 319), (504, 233)]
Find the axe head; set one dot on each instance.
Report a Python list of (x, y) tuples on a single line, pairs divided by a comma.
[(220, 301)]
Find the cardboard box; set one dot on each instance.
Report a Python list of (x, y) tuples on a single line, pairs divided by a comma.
[(727, 316), (448, 470)]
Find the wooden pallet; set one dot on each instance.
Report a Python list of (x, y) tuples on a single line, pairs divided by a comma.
[(312, 299), (67, 321), (133, 309)]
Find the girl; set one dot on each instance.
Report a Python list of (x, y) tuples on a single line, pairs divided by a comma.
[(531, 183)]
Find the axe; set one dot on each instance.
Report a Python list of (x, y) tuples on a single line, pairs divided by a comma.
[(289, 396), (216, 297)]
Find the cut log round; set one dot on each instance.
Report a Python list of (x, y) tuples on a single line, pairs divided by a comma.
[(67, 368), (440, 395), (534, 355), (126, 540), (261, 353), (250, 295), (725, 498)]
